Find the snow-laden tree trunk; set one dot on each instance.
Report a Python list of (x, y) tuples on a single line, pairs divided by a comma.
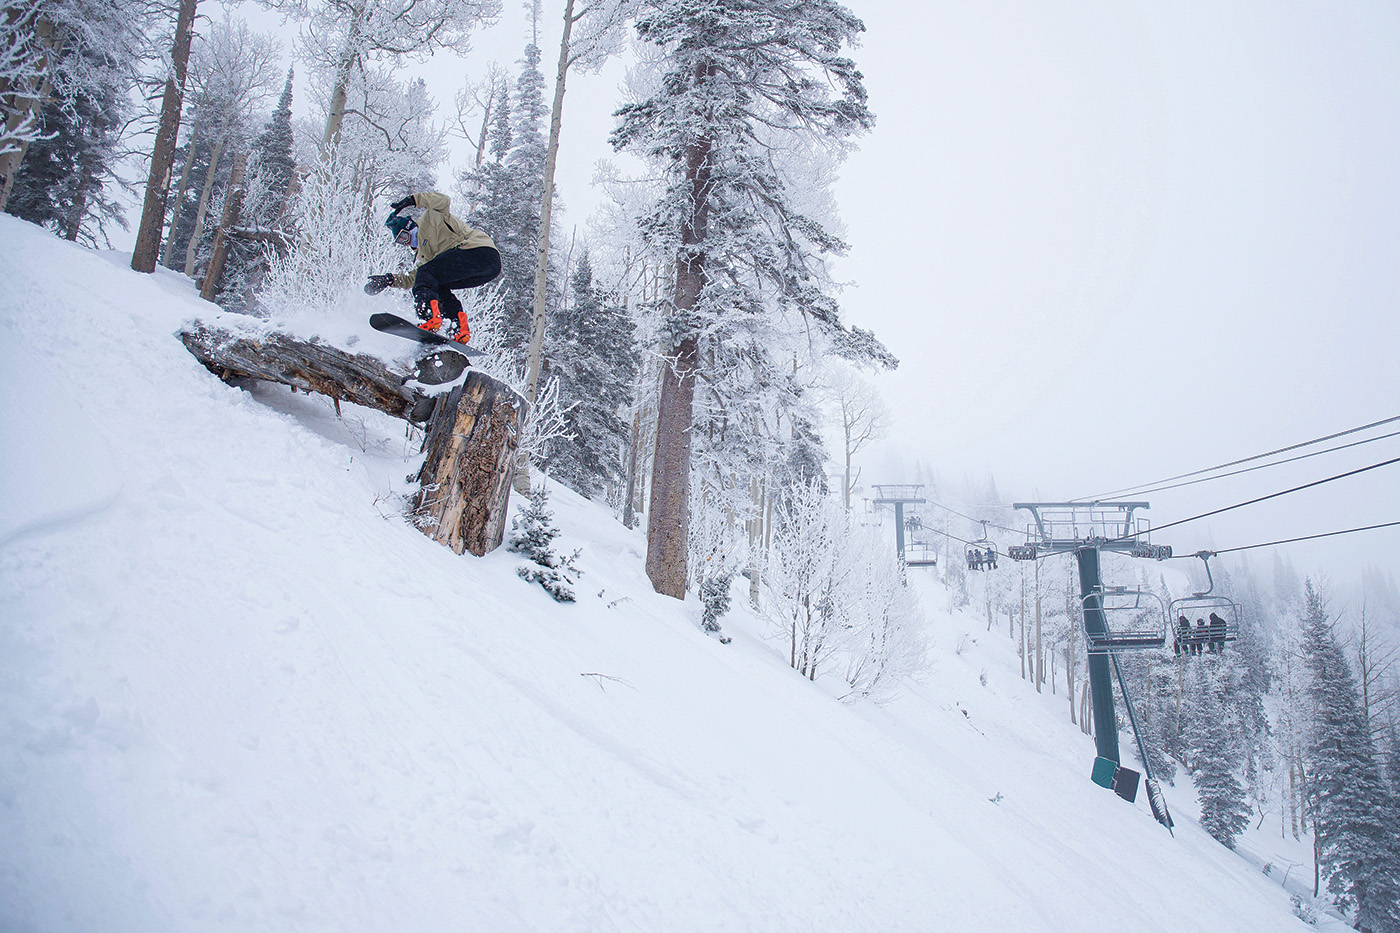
[(148, 239), (181, 188), (551, 161), (209, 175), (24, 85), (233, 207)]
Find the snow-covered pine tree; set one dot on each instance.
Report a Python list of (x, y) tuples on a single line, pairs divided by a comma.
[(741, 81), (65, 179), (532, 534), (270, 185), (63, 52), (1214, 748), (273, 147), (717, 545), (590, 349), (1354, 815), (507, 193)]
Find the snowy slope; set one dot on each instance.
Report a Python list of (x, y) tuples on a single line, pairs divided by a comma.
[(239, 692)]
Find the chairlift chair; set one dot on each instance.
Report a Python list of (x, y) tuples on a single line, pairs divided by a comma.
[(1132, 621), (1205, 620), (982, 553), (920, 554)]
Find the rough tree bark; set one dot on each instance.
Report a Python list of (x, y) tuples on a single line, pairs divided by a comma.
[(465, 480), (148, 239), (312, 367), (218, 254), (190, 144), (473, 430), (668, 519)]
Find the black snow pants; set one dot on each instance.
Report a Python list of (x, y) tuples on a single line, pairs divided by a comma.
[(456, 268)]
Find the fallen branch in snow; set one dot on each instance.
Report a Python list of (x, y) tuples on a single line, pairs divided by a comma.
[(602, 677)]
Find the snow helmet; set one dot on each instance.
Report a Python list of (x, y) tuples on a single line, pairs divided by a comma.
[(398, 225)]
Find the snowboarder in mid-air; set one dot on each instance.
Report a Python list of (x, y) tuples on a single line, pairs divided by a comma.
[(450, 255)]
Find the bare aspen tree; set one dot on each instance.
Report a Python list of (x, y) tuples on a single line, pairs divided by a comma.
[(600, 23), (241, 70), (1374, 662), (487, 94), (861, 415), (346, 35)]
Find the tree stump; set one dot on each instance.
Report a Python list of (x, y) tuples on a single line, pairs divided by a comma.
[(465, 479), (473, 430)]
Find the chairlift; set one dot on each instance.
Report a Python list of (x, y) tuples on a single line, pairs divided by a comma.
[(982, 553), (1203, 621), (1131, 619), (920, 554)]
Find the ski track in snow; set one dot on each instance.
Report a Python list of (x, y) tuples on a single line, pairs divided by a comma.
[(241, 692)]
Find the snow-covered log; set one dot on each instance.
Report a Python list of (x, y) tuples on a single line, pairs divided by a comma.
[(473, 430), (310, 366)]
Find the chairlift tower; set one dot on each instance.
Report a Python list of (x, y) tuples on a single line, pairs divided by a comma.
[(1085, 529), (899, 496)]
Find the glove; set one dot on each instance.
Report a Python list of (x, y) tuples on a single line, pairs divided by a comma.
[(377, 283), (402, 203)]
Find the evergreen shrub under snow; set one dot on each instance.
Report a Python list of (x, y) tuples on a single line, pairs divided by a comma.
[(532, 534)]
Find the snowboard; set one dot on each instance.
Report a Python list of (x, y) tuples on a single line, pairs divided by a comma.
[(401, 327)]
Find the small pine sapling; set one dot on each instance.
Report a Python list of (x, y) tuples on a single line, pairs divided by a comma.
[(714, 594), (532, 534)]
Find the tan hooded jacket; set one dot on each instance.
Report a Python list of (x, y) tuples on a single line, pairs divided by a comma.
[(439, 231)]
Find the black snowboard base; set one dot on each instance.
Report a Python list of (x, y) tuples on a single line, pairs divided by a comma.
[(400, 327), (445, 363)]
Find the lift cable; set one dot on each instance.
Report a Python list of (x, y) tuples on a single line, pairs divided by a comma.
[(1281, 450), (1264, 466), (1325, 534), (1272, 495), (1014, 531), (946, 534)]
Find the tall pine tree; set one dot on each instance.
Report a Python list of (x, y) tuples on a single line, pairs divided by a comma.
[(742, 82), (272, 180), (1214, 741), (507, 194), (63, 182), (590, 349), (1354, 815)]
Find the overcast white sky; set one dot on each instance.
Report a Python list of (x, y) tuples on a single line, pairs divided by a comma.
[(1113, 242)]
